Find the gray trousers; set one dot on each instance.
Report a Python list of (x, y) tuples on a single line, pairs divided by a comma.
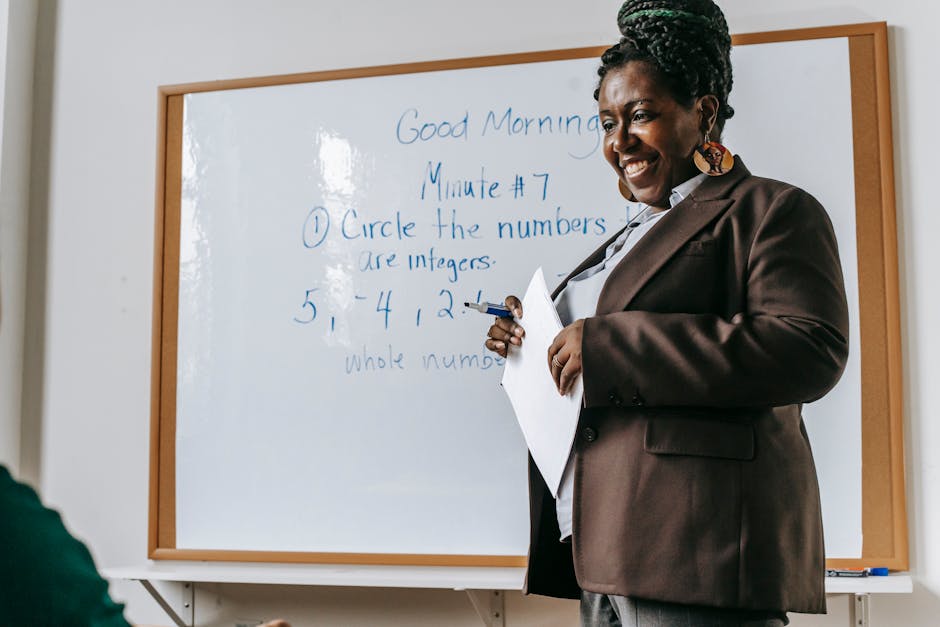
[(608, 610)]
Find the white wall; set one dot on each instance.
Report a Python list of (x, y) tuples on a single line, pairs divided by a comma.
[(91, 381), (17, 46)]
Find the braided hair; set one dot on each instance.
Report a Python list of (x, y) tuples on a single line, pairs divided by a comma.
[(686, 42)]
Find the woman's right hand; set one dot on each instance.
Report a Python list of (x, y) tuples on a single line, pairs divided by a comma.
[(506, 331)]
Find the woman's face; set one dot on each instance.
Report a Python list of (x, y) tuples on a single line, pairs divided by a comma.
[(649, 137), (713, 155)]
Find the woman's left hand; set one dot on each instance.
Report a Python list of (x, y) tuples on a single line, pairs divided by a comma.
[(564, 356)]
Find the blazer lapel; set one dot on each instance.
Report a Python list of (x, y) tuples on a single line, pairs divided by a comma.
[(592, 260), (665, 238)]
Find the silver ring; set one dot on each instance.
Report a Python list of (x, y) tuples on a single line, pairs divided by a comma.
[(557, 363)]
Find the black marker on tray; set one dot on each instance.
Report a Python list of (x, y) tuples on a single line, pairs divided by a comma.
[(846, 572)]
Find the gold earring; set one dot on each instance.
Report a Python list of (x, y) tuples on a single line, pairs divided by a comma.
[(625, 191), (712, 158)]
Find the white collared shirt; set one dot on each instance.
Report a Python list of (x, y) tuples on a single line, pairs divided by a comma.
[(579, 300)]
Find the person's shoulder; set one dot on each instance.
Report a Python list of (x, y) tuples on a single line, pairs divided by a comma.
[(763, 194), (740, 184), (41, 558), (758, 201), (754, 184)]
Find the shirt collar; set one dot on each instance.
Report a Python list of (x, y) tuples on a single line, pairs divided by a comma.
[(680, 191)]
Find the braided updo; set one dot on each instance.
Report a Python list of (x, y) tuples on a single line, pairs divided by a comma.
[(685, 41)]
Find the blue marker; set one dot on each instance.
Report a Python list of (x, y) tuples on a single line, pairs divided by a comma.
[(500, 311)]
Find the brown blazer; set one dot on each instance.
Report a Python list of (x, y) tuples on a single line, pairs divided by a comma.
[(694, 479)]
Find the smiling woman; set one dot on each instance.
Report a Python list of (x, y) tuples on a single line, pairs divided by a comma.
[(648, 134), (698, 332)]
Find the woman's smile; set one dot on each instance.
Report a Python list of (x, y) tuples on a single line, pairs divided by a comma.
[(636, 166)]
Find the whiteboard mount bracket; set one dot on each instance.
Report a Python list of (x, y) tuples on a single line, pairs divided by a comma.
[(187, 604), (490, 606), (858, 609)]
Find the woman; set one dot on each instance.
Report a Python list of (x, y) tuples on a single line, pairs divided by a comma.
[(698, 331)]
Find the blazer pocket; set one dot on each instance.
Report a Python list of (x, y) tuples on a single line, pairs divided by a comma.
[(699, 248), (702, 437)]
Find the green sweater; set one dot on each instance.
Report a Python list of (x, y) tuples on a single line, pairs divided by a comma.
[(47, 577)]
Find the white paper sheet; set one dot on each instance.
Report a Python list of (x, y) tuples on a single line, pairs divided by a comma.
[(548, 420)]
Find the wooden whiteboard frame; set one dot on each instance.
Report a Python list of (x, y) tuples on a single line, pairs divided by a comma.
[(884, 519)]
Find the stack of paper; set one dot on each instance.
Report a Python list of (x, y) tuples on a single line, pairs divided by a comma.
[(548, 419)]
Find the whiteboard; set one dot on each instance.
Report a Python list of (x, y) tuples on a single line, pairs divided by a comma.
[(332, 394), (330, 236)]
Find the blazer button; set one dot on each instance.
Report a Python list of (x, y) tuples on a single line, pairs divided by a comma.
[(589, 434), (615, 399), (638, 400)]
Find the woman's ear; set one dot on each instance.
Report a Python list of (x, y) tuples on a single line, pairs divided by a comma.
[(707, 106)]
